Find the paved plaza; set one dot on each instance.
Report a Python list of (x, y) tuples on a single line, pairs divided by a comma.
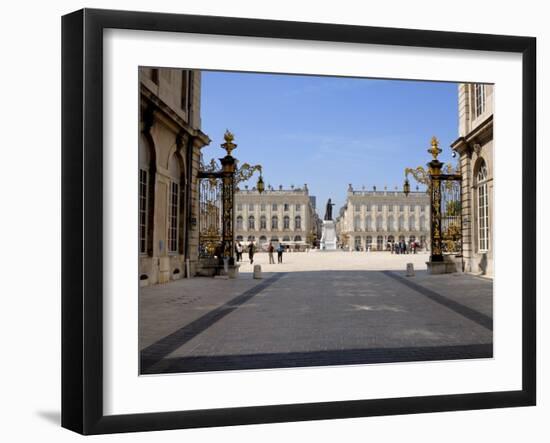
[(315, 309)]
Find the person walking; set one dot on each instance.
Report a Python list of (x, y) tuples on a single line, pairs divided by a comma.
[(239, 251), (280, 250), (251, 251), (270, 250)]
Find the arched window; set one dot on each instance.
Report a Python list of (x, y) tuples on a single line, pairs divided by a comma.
[(482, 208), (263, 239), (251, 223), (286, 238), (275, 239), (357, 243), (401, 238), (369, 241), (391, 238), (379, 243), (297, 238), (251, 238), (239, 238), (297, 222), (173, 203), (286, 222), (357, 223), (239, 223), (412, 239), (274, 223), (263, 222)]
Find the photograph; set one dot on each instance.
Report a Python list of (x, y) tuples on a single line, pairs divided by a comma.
[(290, 220)]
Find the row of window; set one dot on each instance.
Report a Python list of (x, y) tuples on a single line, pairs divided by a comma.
[(379, 207), (274, 206), (389, 225), (274, 222), (263, 238)]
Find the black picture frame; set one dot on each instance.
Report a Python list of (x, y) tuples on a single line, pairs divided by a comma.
[(82, 218)]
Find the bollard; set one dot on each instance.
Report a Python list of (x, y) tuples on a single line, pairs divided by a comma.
[(410, 270), (257, 272)]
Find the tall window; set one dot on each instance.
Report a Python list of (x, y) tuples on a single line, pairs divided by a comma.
[(479, 95), (412, 224), (286, 206), (239, 223), (379, 243), (155, 76), (274, 207), (174, 210), (298, 207), (297, 222), (143, 189), (379, 226), (482, 208), (184, 90), (239, 206), (391, 223), (357, 223), (251, 223), (368, 223), (251, 206), (262, 207), (263, 222), (401, 223), (286, 222), (357, 208), (369, 241), (174, 204), (274, 223)]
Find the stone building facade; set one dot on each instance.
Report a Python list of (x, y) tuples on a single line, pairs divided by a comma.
[(278, 215), (169, 146), (475, 148), (372, 219)]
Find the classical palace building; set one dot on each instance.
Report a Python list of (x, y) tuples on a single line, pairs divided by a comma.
[(170, 140), (278, 215), (372, 219), (475, 148)]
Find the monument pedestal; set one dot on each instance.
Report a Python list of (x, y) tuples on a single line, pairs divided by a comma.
[(328, 237)]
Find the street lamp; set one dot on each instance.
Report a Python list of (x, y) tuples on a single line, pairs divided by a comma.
[(406, 187), (260, 185)]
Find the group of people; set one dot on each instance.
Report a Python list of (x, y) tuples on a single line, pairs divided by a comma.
[(402, 247), (252, 249)]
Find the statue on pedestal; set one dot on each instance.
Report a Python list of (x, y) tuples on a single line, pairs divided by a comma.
[(328, 212)]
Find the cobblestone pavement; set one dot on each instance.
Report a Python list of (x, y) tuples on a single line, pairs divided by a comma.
[(314, 312)]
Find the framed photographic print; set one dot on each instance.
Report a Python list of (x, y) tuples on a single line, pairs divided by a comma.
[(269, 221)]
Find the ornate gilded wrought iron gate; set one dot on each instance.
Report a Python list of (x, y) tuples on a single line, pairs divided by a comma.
[(210, 214), (451, 215), (216, 192), (445, 202)]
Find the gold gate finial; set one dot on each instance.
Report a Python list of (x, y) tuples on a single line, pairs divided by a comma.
[(435, 150), (228, 145)]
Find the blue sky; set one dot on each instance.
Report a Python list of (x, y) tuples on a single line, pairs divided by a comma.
[(328, 131)]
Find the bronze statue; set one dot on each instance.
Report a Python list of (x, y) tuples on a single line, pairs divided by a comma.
[(328, 212)]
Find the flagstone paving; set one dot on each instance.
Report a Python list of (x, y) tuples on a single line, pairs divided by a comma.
[(316, 309)]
